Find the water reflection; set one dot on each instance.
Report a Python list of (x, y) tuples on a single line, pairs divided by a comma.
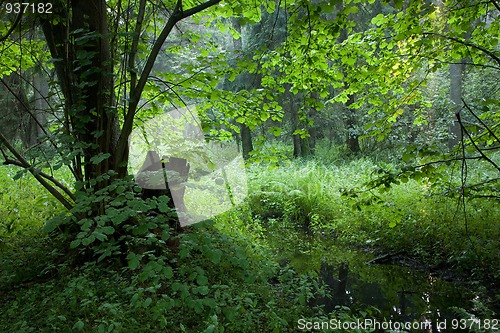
[(400, 293)]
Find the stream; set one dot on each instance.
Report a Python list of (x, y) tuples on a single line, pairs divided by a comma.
[(401, 293)]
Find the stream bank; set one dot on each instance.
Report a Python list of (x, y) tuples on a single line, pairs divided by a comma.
[(398, 287)]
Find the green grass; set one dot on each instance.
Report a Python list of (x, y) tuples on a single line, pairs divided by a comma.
[(220, 278), (216, 282), (414, 217)]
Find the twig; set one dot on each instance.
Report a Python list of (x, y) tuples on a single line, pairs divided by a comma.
[(479, 119), (9, 161), (483, 155)]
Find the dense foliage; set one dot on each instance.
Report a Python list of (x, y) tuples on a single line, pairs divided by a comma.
[(370, 123)]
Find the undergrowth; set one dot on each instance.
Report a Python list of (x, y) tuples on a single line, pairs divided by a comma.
[(224, 276), (212, 282), (420, 218)]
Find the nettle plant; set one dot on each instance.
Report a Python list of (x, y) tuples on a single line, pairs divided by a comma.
[(129, 221)]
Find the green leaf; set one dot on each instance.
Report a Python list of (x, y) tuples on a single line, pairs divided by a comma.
[(118, 218), (108, 230), (168, 272), (147, 302), (133, 260), (351, 10), (75, 243), (407, 157), (215, 256), (87, 241), (202, 280), (276, 131), (379, 20), (100, 236), (350, 61), (78, 325), (99, 158), (163, 206), (53, 223), (203, 290)]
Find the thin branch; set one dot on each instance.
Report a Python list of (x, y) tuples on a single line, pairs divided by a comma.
[(25, 164), (463, 42), (57, 183), (479, 119), (475, 145), (177, 15), (497, 6), (135, 45), (13, 27), (28, 110)]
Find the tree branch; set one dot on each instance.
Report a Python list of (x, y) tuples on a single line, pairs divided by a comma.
[(13, 27), (28, 110), (463, 42), (479, 119), (44, 175), (475, 145), (135, 45), (177, 15), (25, 164), (497, 6)]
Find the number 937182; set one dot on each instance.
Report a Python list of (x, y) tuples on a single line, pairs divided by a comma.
[(27, 8)]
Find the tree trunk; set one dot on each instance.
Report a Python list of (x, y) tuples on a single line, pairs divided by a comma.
[(352, 138), (313, 130), (455, 131), (40, 106), (85, 74), (246, 140), (245, 132), (297, 143)]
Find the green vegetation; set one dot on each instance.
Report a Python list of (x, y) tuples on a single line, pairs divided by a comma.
[(368, 130), (225, 276), (417, 217), (215, 281)]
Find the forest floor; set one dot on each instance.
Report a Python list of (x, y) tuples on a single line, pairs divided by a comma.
[(300, 205)]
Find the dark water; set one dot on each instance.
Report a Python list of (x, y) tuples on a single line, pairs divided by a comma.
[(402, 294)]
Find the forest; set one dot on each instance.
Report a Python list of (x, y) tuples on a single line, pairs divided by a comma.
[(250, 166)]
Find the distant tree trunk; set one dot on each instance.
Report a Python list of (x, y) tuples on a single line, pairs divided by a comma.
[(297, 143), (246, 140), (352, 138), (22, 112), (245, 132), (455, 131), (313, 130), (40, 106)]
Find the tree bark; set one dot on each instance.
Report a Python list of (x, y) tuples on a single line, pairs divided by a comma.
[(352, 138), (455, 131), (40, 106), (297, 143), (245, 132)]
